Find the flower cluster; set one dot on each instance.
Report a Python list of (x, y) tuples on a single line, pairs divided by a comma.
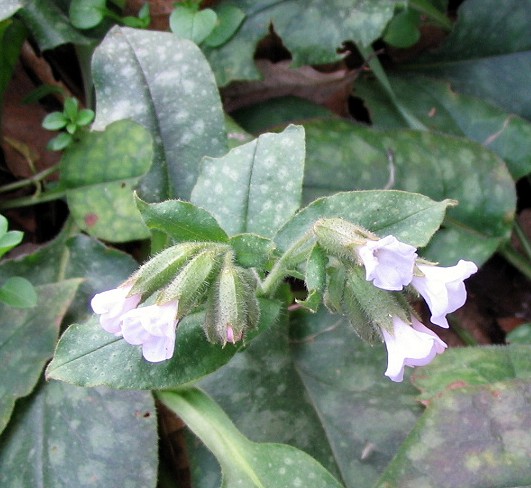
[(353, 271), (392, 265), (179, 279), (152, 327)]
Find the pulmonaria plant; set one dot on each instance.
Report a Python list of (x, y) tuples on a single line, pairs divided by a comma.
[(367, 278)]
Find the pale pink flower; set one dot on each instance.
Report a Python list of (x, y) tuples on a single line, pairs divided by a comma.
[(152, 327), (388, 262), (410, 345), (110, 305), (443, 288)]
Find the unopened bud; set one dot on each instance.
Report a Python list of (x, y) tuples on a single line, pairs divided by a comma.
[(232, 307), (159, 270), (369, 308), (191, 284)]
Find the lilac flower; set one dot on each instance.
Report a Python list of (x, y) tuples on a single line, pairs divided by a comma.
[(388, 262), (443, 288), (153, 327), (410, 345), (111, 305)]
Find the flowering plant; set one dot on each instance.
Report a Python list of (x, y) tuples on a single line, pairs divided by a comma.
[(292, 295)]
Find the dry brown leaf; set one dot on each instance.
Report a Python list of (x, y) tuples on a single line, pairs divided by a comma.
[(279, 80), (23, 135)]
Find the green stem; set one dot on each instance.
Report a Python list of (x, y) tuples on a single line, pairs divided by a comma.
[(295, 255), (70, 229), (32, 180), (463, 334), (425, 7), (516, 259), (33, 200), (376, 67), (522, 238)]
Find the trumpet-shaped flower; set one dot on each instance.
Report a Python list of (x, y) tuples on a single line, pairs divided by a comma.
[(443, 288), (388, 262), (152, 327), (111, 305), (410, 345)]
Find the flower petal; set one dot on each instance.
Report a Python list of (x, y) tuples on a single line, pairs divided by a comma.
[(388, 262), (443, 288), (414, 345), (158, 349), (153, 327), (111, 305)]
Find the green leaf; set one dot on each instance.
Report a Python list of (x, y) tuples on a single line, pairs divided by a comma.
[(9, 240), (71, 108), (182, 221), (192, 24), (321, 390), (60, 142), (410, 217), (166, 85), (252, 250), (69, 436), (27, 341), (255, 187), (403, 30), (443, 110), (84, 117), (9, 7), (99, 173), (236, 136), (278, 112), (100, 267), (478, 406), (88, 356), (360, 157), (12, 37), (471, 366), (54, 121), (481, 433), (229, 18), (18, 292), (49, 25), (330, 23), (85, 14), (481, 68), (315, 278), (245, 463), (520, 335)]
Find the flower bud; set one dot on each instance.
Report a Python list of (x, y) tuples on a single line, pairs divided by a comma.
[(191, 284), (340, 237), (232, 307), (160, 269)]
